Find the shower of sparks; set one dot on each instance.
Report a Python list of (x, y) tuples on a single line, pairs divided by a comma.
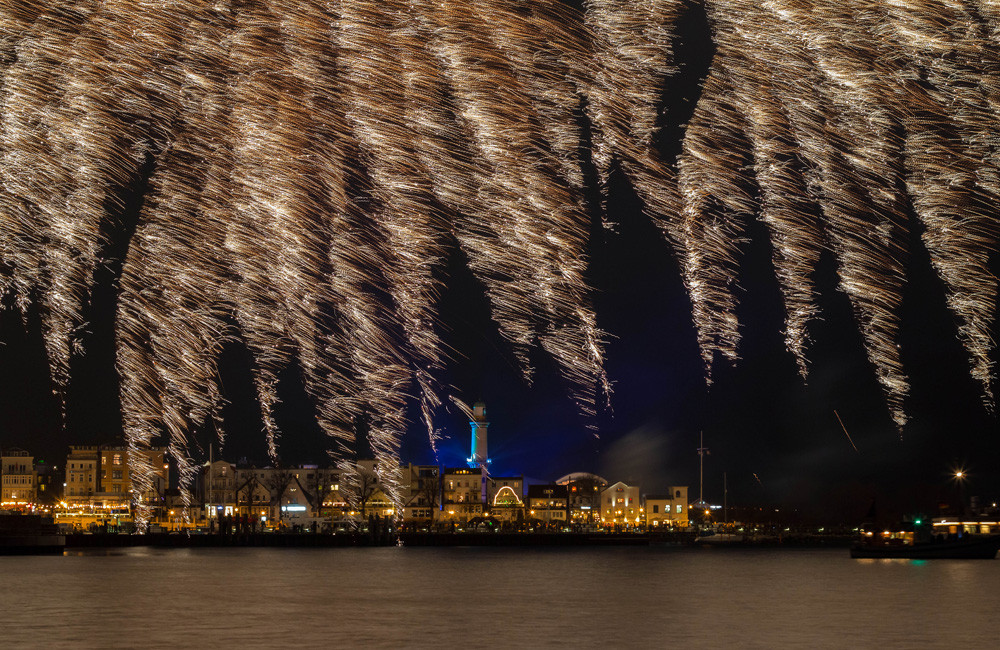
[(305, 167)]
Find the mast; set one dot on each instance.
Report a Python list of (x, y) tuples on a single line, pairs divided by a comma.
[(702, 450), (725, 497)]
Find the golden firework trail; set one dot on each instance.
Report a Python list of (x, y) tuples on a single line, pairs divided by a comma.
[(305, 168)]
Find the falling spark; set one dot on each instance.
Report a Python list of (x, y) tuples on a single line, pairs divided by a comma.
[(845, 430), (306, 168)]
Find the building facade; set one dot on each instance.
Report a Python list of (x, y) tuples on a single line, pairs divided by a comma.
[(584, 493), (101, 477), (421, 485), (218, 489), (667, 510), (505, 497), (548, 503), (48, 485), (620, 506), (17, 479), (81, 475), (461, 493)]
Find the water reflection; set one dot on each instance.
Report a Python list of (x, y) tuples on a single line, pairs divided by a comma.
[(428, 597)]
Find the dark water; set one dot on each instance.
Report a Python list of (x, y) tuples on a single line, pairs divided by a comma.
[(487, 597)]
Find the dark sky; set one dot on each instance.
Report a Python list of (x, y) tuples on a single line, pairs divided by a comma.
[(776, 438)]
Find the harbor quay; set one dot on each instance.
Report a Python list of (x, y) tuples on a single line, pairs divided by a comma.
[(112, 488), (95, 498), (93, 505), (94, 493)]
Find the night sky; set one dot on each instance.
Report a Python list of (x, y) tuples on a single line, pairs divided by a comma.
[(777, 439), (758, 418)]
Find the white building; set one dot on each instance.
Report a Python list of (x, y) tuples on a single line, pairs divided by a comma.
[(218, 484), (620, 505)]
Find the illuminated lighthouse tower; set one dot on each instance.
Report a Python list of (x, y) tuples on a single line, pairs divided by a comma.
[(478, 457)]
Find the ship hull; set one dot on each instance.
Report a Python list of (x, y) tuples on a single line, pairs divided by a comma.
[(31, 544), (982, 548)]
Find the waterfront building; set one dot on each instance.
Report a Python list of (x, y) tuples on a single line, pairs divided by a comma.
[(620, 506), (462, 493), (252, 498), (305, 496), (81, 475), (48, 485), (584, 493), (335, 506), (288, 504), (100, 477), (218, 489), (113, 478), (286, 495), (669, 510), (548, 503), (363, 492), (272, 495), (505, 497), (421, 491), (300, 502), (17, 479), (178, 512), (380, 505), (317, 484), (154, 459)]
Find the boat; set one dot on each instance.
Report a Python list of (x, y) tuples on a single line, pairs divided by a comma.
[(969, 547), (25, 534), (946, 538), (719, 539)]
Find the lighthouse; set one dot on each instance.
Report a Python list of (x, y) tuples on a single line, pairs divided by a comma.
[(478, 458)]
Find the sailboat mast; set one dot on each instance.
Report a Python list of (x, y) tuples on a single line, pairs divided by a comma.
[(701, 468)]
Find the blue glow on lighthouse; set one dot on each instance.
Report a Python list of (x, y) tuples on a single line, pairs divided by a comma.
[(479, 456)]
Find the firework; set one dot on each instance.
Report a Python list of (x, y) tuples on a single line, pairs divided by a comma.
[(305, 167)]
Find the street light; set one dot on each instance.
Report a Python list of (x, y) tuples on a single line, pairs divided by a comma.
[(960, 476)]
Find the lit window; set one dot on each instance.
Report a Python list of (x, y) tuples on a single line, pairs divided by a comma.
[(117, 460), (679, 507)]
